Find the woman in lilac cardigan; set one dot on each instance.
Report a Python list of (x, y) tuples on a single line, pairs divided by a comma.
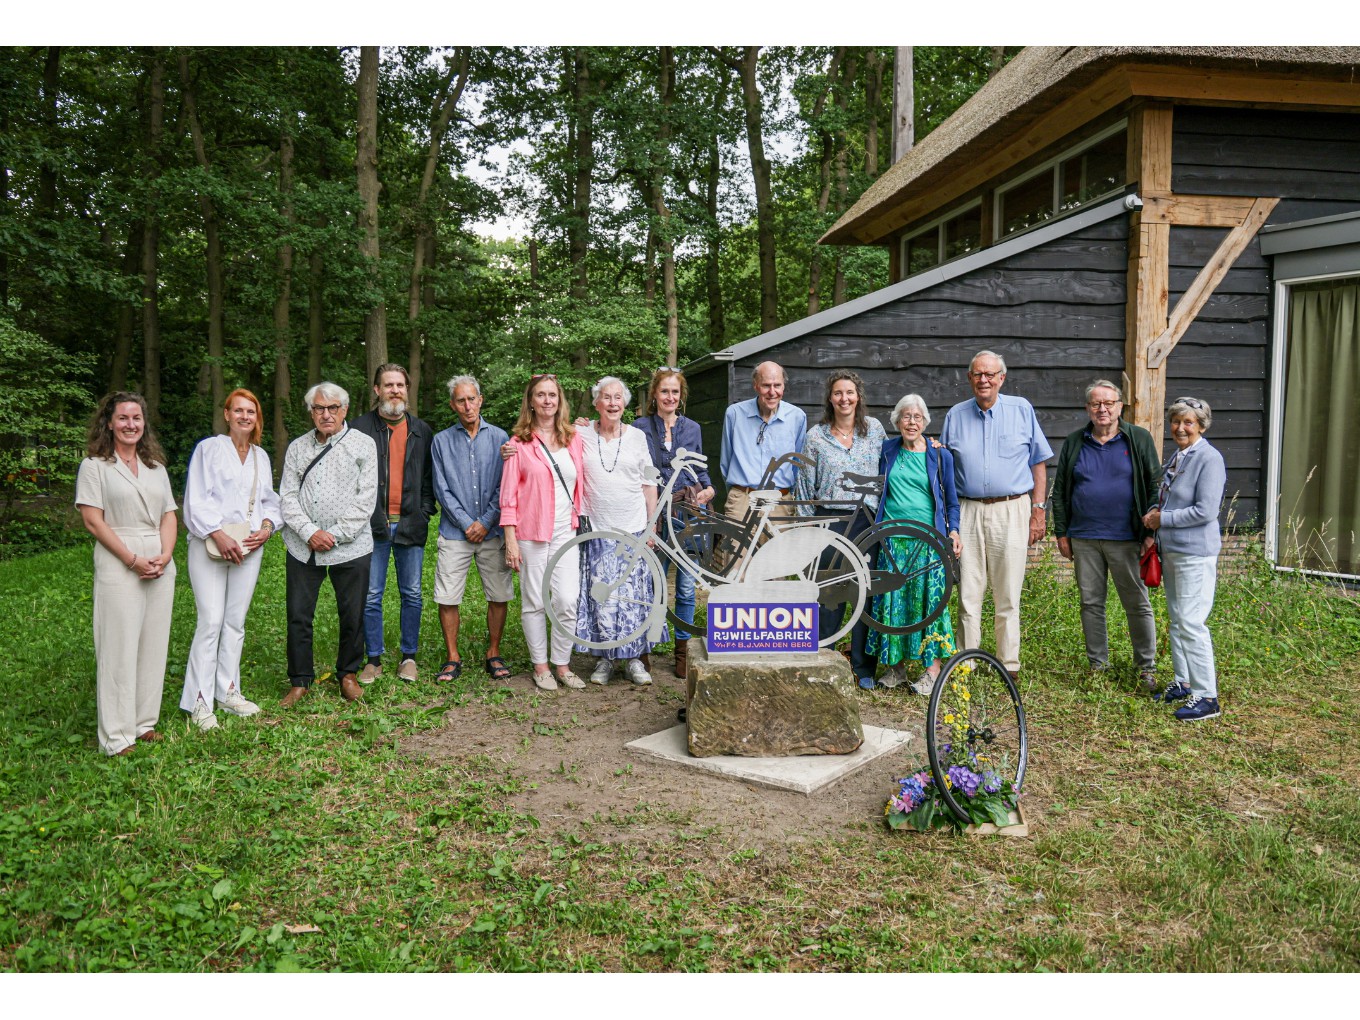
[(1186, 522)]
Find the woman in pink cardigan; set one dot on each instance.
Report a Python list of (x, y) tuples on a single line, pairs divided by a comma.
[(541, 488)]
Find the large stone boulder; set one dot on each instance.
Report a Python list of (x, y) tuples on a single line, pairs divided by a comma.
[(770, 706)]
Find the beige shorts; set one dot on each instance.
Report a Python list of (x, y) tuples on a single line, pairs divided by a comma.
[(455, 558)]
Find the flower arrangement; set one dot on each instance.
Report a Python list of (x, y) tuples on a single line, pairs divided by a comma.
[(986, 795)]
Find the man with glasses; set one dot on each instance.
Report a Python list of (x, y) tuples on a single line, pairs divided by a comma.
[(757, 431), (1000, 469), (328, 489), (401, 516), (1105, 481)]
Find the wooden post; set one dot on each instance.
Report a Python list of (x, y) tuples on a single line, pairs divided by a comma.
[(1149, 164), (904, 103)]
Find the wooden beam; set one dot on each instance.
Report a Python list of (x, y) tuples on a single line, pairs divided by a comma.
[(1208, 279), (1195, 84), (1149, 275), (1194, 210)]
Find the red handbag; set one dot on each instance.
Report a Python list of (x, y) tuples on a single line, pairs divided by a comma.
[(1150, 567)]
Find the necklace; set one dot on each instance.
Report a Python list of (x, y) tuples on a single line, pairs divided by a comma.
[(599, 449), (849, 433)]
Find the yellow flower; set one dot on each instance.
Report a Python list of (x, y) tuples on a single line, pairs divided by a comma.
[(949, 719)]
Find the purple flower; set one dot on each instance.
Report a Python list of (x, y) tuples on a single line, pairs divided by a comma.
[(991, 782), (965, 779)]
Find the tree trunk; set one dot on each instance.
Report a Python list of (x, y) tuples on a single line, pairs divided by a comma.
[(47, 171), (828, 141), (427, 298), (316, 316), (127, 313), (446, 101), (997, 62), (282, 377), (583, 166), (213, 240), (848, 71), (151, 323), (904, 104), (760, 171), (665, 243), (717, 322), (873, 102), (366, 163)]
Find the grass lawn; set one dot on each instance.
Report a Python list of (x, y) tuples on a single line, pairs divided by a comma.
[(326, 839)]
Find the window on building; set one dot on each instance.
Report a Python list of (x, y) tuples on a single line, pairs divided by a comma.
[(1078, 176), (956, 234)]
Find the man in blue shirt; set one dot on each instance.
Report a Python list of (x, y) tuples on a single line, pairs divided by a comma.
[(757, 431), (1106, 480), (1000, 456), (467, 484)]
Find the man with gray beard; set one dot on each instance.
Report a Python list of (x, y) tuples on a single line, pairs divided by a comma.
[(401, 517)]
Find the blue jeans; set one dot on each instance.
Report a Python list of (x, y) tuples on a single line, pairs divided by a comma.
[(1189, 582), (410, 561), (684, 596)]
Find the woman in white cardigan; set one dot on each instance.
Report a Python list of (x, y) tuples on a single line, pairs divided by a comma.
[(230, 482)]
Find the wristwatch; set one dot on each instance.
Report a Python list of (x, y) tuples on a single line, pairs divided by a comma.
[(1038, 506)]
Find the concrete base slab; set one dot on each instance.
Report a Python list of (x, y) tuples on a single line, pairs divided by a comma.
[(802, 774)]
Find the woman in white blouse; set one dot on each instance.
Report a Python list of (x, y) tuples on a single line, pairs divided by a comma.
[(620, 496), (230, 482)]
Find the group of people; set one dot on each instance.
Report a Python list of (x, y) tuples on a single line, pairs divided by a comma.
[(981, 487), (353, 498)]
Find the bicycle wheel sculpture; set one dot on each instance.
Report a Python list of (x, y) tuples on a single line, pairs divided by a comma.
[(607, 560), (904, 554), (975, 720)]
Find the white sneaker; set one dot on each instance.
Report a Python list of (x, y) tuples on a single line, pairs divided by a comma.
[(203, 717), (924, 685), (237, 705), (604, 669), (369, 673), (637, 672)]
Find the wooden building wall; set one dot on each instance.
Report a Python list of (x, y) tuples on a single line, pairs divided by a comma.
[(1312, 162), (1056, 312)]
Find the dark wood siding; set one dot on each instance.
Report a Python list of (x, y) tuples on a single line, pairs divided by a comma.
[(1054, 313), (1311, 161)]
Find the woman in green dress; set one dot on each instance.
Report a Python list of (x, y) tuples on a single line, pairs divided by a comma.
[(918, 486)]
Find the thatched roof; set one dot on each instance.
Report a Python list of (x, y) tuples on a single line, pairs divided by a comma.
[(1037, 80)]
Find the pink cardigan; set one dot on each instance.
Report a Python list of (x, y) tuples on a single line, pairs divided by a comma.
[(530, 489)]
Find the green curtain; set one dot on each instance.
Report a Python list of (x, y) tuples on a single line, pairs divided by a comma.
[(1320, 465)]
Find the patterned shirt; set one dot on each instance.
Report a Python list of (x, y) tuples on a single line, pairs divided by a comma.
[(338, 497), (831, 460)]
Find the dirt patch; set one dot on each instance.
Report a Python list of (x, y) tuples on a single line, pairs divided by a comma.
[(567, 750)]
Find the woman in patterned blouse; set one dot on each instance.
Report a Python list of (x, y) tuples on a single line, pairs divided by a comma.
[(844, 440)]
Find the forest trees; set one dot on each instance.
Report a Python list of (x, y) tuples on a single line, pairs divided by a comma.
[(186, 220)]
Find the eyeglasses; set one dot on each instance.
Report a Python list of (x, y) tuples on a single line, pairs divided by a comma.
[(326, 410), (1194, 402), (1103, 405), (986, 376), (760, 436), (539, 378), (914, 417), (667, 368)]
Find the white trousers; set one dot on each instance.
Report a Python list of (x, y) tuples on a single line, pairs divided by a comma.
[(995, 539), (566, 591), (131, 638), (222, 593), (1190, 582)]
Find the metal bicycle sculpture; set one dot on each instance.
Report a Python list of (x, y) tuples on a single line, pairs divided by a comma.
[(974, 716)]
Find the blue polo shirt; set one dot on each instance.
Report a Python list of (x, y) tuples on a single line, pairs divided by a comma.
[(995, 449), (1102, 491)]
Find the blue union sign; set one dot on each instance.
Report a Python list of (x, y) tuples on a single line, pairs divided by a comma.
[(762, 627)]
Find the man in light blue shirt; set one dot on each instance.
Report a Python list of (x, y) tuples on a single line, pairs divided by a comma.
[(1000, 456), (467, 484), (757, 431)]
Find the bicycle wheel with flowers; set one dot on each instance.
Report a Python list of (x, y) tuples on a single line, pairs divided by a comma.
[(976, 738)]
